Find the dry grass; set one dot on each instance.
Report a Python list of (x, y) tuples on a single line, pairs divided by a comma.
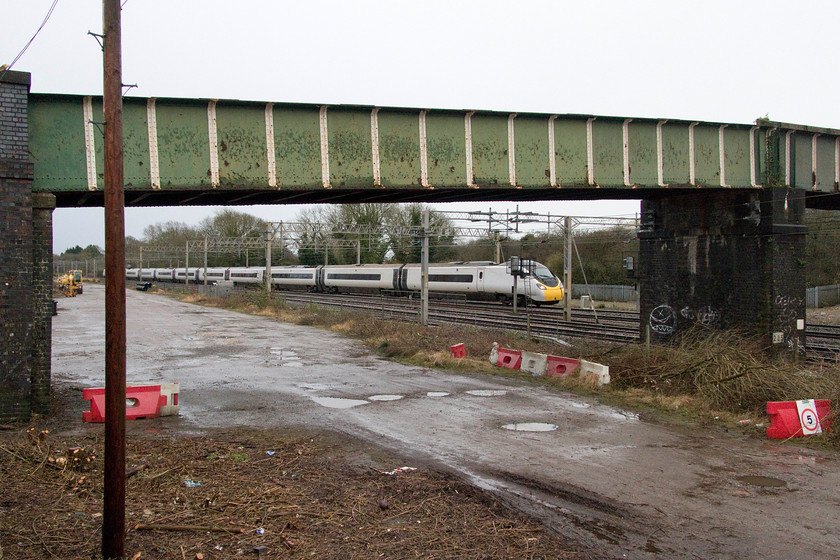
[(722, 368)]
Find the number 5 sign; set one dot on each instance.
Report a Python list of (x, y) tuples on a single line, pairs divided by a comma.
[(808, 417)]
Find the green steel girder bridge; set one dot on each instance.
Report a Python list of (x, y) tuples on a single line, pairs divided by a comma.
[(203, 152)]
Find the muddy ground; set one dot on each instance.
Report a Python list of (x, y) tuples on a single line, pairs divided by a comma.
[(602, 481), (226, 493)]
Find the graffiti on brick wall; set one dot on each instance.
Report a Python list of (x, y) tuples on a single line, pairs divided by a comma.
[(664, 319), (706, 315), (787, 312)]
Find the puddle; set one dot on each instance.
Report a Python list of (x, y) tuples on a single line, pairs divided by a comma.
[(629, 416), (288, 358), (385, 398), (335, 402), (764, 481), (531, 427), (486, 393), (437, 394), (314, 386), (579, 404)]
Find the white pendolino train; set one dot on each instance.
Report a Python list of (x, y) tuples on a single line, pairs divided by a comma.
[(478, 280)]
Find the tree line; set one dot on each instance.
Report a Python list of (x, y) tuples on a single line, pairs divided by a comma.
[(597, 256)]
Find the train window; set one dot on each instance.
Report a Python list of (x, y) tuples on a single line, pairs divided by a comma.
[(480, 275), (545, 276), (291, 275), (466, 278), (341, 276)]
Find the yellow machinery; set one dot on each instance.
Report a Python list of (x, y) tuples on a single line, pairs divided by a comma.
[(71, 283)]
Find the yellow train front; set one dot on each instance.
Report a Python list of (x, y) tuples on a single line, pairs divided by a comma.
[(549, 288)]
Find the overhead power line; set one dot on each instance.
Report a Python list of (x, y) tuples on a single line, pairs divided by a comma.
[(23, 50)]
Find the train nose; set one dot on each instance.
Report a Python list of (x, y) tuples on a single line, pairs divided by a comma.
[(553, 294)]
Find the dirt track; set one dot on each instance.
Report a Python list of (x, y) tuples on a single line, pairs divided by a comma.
[(616, 484)]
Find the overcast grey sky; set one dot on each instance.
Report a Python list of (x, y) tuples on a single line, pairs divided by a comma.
[(724, 61)]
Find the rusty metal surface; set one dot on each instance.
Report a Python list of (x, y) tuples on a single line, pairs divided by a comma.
[(202, 151)]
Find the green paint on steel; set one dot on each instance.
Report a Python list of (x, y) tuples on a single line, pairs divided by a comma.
[(801, 160), (490, 150), (570, 148), (707, 155), (675, 154), (241, 146), (136, 167), (297, 147), (643, 162), (736, 159), (825, 163), (399, 148), (608, 152), (351, 161), (637, 154), (531, 151), (183, 144), (446, 149), (57, 143)]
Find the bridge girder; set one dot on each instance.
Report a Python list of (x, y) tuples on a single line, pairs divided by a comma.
[(202, 152)]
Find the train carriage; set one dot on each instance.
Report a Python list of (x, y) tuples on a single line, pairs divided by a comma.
[(481, 280), (292, 277)]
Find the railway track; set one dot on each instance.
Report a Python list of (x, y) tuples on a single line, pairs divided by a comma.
[(822, 341), (546, 322)]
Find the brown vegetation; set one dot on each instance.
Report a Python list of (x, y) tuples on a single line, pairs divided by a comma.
[(223, 494)]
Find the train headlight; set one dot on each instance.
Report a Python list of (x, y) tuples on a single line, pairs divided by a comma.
[(541, 287)]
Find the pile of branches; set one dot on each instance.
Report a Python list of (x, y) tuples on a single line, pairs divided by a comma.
[(726, 369)]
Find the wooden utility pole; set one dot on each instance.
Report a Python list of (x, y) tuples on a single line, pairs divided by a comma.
[(567, 271), (424, 271), (269, 237), (113, 522)]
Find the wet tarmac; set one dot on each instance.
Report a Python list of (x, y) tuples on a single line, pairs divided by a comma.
[(619, 486)]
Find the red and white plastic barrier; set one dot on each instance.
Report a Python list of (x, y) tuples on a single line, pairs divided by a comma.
[(553, 366), (789, 419), (458, 351), (141, 401), (557, 366), (511, 359), (171, 406)]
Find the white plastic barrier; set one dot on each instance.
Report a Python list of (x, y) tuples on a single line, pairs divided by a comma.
[(534, 362), (599, 372), (170, 390)]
